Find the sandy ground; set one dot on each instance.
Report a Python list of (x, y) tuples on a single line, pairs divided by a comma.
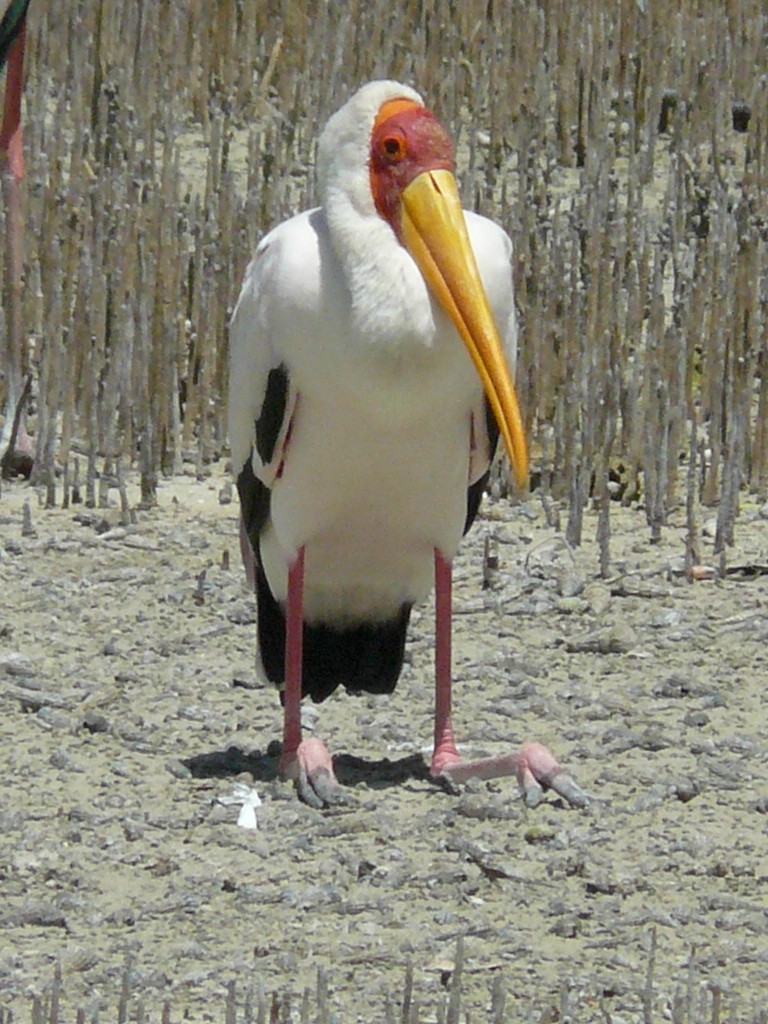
[(130, 705)]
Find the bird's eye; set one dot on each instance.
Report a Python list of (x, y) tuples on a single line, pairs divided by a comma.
[(393, 148)]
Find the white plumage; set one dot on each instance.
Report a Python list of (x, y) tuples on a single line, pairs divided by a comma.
[(381, 449), (370, 376)]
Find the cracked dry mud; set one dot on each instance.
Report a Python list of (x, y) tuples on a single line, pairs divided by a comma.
[(130, 705)]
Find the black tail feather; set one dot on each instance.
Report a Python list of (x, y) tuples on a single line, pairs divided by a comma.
[(362, 657)]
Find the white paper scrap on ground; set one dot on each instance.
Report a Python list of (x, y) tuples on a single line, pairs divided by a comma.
[(249, 799)]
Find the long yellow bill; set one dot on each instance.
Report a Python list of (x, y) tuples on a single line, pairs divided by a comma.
[(435, 233)]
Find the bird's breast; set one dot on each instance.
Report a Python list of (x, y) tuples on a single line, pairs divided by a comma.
[(375, 474), (370, 487)]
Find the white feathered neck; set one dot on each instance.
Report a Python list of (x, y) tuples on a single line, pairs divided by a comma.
[(390, 303)]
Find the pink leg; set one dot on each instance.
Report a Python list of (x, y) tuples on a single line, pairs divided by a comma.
[(307, 762), (535, 767), (294, 650), (445, 753)]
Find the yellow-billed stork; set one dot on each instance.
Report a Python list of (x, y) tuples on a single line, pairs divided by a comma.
[(370, 353)]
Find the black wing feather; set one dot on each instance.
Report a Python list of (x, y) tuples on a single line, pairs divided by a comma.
[(270, 421)]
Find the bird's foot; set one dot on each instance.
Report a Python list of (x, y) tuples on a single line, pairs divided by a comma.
[(537, 770), (311, 768)]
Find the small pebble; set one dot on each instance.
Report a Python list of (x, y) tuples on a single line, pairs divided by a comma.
[(95, 722), (696, 719), (686, 789), (17, 664)]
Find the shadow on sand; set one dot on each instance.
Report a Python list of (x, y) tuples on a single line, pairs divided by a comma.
[(350, 770)]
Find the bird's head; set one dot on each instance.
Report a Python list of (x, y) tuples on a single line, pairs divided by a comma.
[(411, 185), (407, 141)]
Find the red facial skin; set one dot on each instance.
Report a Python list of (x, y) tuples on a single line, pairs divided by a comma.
[(404, 145)]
